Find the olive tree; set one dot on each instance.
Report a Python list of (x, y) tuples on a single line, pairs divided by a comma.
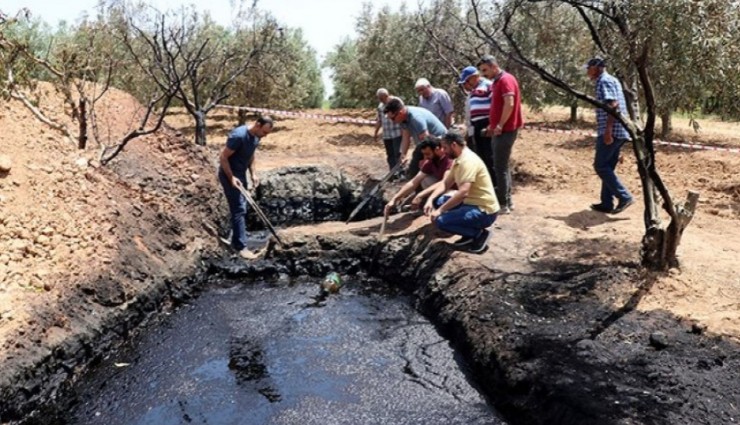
[(624, 31)]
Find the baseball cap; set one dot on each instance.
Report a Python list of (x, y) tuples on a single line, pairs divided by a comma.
[(595, 61), (466, 73)]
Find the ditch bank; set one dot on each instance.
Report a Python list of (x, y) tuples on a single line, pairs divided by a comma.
[(550, 346)]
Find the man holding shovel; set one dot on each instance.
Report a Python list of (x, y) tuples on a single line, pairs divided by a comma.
[(236, 158)]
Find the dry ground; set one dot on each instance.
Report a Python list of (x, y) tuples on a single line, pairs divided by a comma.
[(56, 215)]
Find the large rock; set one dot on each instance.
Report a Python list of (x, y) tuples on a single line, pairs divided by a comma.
[(5, 164)]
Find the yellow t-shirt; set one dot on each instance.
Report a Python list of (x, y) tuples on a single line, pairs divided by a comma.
[(468, 167)]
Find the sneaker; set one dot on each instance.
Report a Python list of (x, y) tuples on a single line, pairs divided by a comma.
[(505, 210), (623, 205), (225, 241), (480, 243), (464, 240), (601, 208), (248, 255)]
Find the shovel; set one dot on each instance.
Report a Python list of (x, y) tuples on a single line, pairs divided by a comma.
[(257, 208)]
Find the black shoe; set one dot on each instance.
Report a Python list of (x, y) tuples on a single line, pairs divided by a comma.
[(601, 208), (464, 240), (480, 243), (623, 205)]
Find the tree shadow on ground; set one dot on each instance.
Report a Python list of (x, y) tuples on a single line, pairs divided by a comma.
[(587, 219)]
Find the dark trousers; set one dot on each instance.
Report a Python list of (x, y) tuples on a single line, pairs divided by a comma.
[(484, 147), (237, 209), (502, 146), (414, 167), (392, 151)]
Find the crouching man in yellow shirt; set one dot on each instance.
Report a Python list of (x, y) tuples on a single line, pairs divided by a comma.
[(474, 207)]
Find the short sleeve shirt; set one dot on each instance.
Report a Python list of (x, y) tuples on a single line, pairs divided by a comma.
[(469, 168), (438, 103), (244, 144), (608, 89), (391, 130), (506, 85), (420, 120), (436, 167)]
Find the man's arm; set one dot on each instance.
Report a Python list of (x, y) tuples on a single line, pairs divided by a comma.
[(448, 120), (439, 189), (505, 114), (405, 190), (378, 124), (405, 141), (224, 161), (608, 139), (252, 171)]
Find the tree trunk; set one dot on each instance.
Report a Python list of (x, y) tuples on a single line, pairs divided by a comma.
[(200, 128), (667, 124), (242, 116), (573, 112), (82, 138)]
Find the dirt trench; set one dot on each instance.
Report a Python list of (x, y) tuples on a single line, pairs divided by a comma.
[(551, 342)]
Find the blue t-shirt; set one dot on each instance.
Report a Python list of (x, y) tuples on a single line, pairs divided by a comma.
[(243, 143), (420, 120)]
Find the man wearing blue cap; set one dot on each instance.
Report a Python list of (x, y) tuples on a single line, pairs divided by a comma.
[(479, 105), (611, 135)]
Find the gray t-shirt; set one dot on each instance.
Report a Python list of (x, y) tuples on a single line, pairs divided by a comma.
[(420, 120), (438, 103)]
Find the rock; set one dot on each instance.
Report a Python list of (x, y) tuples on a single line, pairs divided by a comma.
[(698, 328), (5, 164), (659, 340), (82, 163), (43, 240)]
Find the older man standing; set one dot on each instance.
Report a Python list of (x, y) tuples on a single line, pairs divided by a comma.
[(611, 135), (415, 122), (437, 101), (471, 210), (505, 120), (479, 105), (391, 130)]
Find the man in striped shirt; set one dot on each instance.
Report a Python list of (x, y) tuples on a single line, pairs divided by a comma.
[(479, 104)]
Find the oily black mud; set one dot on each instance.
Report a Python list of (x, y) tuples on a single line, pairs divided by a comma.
[(552, 346), (277, 354)]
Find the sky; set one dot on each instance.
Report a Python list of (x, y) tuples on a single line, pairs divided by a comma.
[(325, 22)]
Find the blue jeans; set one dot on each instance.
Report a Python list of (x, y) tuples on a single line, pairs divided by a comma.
[(465, 220), (605, 162), (238, 210)]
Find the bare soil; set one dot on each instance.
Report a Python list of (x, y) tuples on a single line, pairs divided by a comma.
[(78, 241)]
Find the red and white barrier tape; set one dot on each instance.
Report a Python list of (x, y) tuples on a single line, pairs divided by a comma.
[(334, 118), (324, 117)]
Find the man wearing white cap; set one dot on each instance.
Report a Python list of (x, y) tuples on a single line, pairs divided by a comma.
[(437, 101)]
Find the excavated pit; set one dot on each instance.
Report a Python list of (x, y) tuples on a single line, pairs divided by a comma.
[(548, 343)]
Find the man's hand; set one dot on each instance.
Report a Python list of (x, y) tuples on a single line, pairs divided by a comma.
[(403, 160), (416, 203), (428, 207), (498, 130), (389, 206), (608, 139), (235, 182), (255, 181), (434, 214)]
